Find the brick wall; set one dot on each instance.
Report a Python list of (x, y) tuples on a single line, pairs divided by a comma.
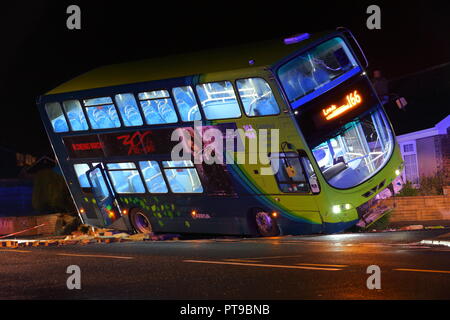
[(420, 208), (10, 225)]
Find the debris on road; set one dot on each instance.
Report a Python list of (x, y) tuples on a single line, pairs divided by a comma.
[(94, 235), (412, 227)]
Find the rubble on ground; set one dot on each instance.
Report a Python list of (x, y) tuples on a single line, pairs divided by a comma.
[(94, 235)]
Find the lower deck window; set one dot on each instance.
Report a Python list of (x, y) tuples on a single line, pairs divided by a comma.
[(125, 178), (153, 177), (80, 170), (289, 173), (182, 177)]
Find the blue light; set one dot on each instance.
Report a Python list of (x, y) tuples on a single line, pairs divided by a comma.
[(297, 38)]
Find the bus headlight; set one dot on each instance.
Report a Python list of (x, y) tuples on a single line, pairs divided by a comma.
[(397, 172), (341, 207)]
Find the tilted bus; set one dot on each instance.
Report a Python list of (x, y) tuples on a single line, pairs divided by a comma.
[(111, 132)]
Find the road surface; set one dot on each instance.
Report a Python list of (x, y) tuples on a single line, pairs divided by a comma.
[(300, 267)]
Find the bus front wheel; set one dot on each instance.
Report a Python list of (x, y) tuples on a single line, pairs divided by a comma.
[(140, 221), (265, 224)]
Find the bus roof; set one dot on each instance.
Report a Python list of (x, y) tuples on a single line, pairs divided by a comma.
[(264, 53)]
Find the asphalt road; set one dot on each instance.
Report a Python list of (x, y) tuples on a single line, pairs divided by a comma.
[(315, 267)]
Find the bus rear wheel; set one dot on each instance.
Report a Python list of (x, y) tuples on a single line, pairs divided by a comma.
[(265, 224), (140, 222)]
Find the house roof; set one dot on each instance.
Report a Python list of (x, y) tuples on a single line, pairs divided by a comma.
[(440, 128)]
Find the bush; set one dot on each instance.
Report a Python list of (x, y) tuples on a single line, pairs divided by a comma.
[(382, 223), (428, 186), (66, 224), (408, 190), (50, 193)]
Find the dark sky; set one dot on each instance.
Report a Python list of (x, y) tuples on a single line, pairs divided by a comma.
[(38, 52)]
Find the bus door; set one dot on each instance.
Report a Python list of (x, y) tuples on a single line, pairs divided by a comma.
[(103, 195)]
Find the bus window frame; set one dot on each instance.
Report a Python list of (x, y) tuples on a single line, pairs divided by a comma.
[(170, 96), (197, 100), (82, 110), (294, 156), (271, 88), (114, 95), (169, 187), (282, 62), (63, 113), (236, 94), (159, 164), (83, 105), (107, 170)]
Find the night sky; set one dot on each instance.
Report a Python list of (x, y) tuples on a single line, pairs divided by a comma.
[(38, 52)]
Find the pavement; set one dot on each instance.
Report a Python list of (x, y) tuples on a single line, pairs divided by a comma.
[(291, 267)]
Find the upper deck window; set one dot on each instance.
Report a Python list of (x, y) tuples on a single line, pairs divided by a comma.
[(102, 113), (316, 68), (158, 107), (218, 100), (129, 109), (186, 103), (56, 116), (75, 115), (257, 97)]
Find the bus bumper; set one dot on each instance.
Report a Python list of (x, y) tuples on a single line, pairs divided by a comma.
[(375, 208)]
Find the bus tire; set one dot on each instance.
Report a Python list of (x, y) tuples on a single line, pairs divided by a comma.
[(140, 222), (265, 224)]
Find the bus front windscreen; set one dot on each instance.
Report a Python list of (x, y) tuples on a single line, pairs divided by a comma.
[(356, 151), (316, 70), (348, 133)]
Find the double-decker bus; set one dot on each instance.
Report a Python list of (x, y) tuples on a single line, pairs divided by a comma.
[(111, 130)]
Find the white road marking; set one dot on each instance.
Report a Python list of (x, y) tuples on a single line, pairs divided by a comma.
[(261, 265)]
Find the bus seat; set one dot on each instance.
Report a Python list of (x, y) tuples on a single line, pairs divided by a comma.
[(265, 107), (174, 182), (321, 76), (101, 119), (307, 84), (166, 111), (135, 183), (74, 121), (156, 184), (60, 125), (150, 114), (132, 116), (113, 116)]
